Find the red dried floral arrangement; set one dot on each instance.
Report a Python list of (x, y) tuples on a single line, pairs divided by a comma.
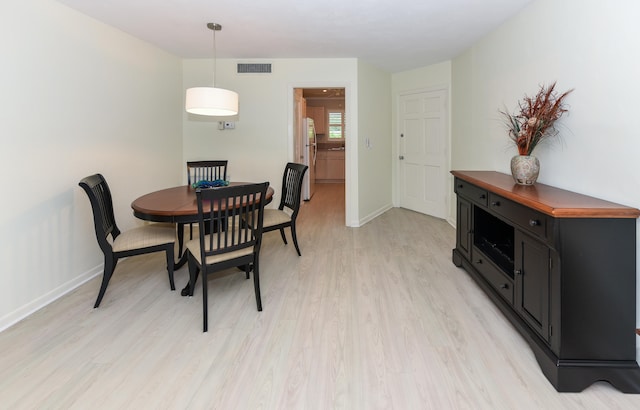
[(535, 121)]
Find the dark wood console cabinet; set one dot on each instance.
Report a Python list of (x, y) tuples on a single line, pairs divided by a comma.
[(561, 267)]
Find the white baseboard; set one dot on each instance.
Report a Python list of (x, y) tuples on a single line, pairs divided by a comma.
[(17, 315), (452, 222), (373, 215)]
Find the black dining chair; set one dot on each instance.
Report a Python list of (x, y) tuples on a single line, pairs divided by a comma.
[(137, 241), (287, 212), (207, 170), (240, 210)]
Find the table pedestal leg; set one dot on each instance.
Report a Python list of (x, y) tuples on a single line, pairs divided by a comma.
[(185, 290)]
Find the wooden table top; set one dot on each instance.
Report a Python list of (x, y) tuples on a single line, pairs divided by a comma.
[(550, 200), (177, 204)]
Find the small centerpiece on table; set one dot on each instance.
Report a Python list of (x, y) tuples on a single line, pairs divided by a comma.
[(533, 123)]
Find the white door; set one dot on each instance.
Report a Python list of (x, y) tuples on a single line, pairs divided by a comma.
[(423, 152)]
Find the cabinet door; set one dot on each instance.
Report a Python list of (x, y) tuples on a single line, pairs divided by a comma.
[(463, 231), (335, 169), (532, 274), (340, 169), (322, 169)]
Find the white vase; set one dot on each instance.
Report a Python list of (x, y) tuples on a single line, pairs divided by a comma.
[(525, 169)]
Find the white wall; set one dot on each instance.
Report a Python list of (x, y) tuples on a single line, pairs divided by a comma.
[(374, 124), (77, 97), (589, 45), (262, 142)]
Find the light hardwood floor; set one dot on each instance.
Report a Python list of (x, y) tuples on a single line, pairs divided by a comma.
[(375, 317)]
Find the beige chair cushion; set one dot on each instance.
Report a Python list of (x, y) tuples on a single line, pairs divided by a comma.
[(194, 247), (275, 217), (145, 236)]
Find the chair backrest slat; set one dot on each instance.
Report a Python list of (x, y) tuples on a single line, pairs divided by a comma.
[(101, 201), (234, 214), (206, 171), (292, 186)]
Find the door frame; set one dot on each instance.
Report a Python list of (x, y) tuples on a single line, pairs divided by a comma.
[(350, 143), (447, 143)]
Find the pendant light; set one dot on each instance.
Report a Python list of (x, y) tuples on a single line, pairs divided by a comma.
[(212, 101)]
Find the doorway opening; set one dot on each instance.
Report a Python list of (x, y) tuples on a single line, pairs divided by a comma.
[(320, 130)]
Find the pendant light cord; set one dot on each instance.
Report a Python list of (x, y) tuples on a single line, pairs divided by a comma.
[(214, 58)]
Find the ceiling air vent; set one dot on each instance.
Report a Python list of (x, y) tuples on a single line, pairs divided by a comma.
[(253, 68)]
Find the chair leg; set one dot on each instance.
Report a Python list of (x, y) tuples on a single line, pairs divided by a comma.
[(295, 238), (109, 267), (170, 263), (205, 305), (194, 269), (256, 284), (284, 238)]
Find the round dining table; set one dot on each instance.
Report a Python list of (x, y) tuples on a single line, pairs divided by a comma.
[(175, 205)]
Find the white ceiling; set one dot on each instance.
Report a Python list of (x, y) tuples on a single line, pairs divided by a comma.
[(393, 35)]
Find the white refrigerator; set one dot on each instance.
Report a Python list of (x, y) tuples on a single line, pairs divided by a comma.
[(309, 151)]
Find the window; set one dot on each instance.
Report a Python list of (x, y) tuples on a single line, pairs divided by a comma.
[(336, 124)]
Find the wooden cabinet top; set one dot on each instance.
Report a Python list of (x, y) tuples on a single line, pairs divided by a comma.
[(552, 201)]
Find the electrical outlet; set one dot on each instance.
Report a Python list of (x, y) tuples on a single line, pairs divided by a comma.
[(229, 125)]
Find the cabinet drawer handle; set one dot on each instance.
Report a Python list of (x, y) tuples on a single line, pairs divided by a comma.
[(504, 286), (517, 272), (460, 186), (482, 196), (534, 222), (479, 261), (495, 203)]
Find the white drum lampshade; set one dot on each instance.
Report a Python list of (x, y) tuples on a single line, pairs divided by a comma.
[(211, 101)]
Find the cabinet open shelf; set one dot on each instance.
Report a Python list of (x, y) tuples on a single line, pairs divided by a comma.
[(495, 239)]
